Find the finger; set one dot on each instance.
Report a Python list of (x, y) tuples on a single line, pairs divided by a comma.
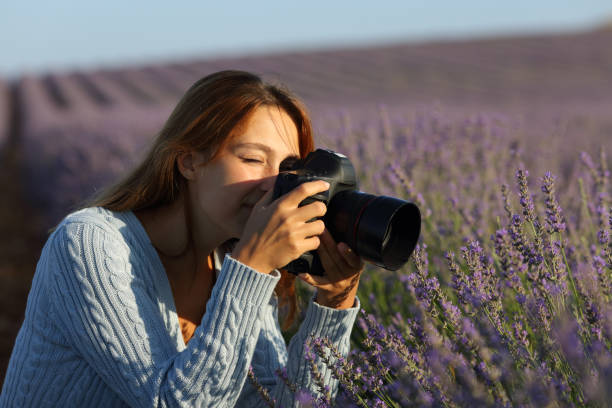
[(308, 278), (312, 210), (311, 244), (350, 256), (344, 257), (332, 248), (313, 228), (320, 282), (304, 190), (331, 260)]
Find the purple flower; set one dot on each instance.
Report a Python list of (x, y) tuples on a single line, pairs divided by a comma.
[(520, 243), (525, 199), (304, 397), (603, 236), (554, 216), (520, 334), (511, 261)]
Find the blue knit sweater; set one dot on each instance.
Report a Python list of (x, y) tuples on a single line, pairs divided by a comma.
[(101, 328)]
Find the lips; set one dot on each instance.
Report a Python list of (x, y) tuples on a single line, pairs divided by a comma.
[(250, 204), (248, 207)]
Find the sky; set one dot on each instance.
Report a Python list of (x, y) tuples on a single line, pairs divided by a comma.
[(63, 35)]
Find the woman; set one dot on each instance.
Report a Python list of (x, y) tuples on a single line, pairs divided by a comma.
[(165, 288)]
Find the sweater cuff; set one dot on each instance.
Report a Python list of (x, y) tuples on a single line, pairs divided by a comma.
[(245, 283), (323, 321)]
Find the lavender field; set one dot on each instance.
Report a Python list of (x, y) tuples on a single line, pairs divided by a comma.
[(503, 143)]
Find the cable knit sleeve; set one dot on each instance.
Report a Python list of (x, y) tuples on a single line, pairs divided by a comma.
[(320, 321), (112, 320), (272, 353)]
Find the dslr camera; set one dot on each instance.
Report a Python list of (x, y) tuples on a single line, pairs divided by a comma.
[(382, 230)]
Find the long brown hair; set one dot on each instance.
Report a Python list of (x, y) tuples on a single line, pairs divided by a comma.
[(203, 120)]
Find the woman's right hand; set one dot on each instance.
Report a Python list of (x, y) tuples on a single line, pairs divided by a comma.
[(277, 232)]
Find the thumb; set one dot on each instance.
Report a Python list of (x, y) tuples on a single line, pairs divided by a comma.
[(265, 199), (306, 277)]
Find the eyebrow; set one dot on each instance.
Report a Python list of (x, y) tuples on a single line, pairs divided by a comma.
[(263, 147)]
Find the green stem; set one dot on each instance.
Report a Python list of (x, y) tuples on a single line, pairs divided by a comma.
[(584, 202), (571, 279)]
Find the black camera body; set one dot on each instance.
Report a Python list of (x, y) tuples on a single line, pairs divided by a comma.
[(382, 230)]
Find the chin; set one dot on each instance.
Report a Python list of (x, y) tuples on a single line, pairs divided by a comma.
[(236, 232), (236, 229)]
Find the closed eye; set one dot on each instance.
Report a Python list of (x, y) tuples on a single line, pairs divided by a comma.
[(249, 160)]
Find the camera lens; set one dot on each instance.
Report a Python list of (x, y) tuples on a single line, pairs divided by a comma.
[(387, 236), (383, 230)]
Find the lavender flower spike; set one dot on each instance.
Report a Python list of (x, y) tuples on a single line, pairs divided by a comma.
[(554, 216), (525, 199), (260, 389)]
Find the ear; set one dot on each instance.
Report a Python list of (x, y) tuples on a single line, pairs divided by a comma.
[(188, 163)]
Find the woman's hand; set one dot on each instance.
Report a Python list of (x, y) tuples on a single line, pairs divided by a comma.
[(343, 268), (277, 232)]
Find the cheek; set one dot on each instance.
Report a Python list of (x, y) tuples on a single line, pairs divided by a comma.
[(226, 187), (241, 181), (224, 192), (233, 172)]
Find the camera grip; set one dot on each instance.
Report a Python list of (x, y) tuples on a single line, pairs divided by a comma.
[(308, 262), (323, 197)]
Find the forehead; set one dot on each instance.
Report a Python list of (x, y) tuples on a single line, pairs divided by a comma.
[(268, 128)]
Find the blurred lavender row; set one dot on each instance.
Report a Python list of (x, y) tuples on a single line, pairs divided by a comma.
[(80, 130)]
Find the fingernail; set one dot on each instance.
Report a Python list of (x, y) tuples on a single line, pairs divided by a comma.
[(326, 184)]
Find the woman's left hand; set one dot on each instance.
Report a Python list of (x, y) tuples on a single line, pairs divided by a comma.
[(343, 268)]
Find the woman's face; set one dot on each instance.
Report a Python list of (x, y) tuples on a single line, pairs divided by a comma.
[(226, 188)]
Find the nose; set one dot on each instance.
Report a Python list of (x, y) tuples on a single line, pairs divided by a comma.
[(268, 181)]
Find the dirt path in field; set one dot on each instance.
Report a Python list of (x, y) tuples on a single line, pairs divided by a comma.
[(21, 240)]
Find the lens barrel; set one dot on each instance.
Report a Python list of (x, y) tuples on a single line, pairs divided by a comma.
[(383, 230)]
